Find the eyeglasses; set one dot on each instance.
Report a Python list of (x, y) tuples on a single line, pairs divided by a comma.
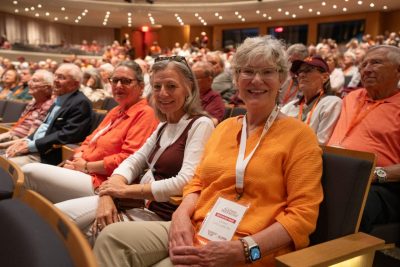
[(179, 59), (264, 73), (123, 81)]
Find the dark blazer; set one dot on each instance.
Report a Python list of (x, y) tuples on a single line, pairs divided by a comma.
[(71, 124)]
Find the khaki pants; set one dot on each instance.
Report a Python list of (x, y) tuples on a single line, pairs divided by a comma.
[(133, 244)]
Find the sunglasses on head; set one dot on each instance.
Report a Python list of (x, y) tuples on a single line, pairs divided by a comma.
[(173, 58)]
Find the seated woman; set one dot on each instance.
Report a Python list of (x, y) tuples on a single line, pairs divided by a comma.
[(122, 132), (317, 108), (261, 172), (93, 87)]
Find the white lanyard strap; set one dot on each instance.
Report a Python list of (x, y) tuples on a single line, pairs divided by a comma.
[(241, 162)]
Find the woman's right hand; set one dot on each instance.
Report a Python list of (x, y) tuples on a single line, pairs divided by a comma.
[(106, 213), (181, 232)]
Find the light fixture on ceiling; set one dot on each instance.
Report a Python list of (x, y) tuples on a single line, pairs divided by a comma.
[(150, 1)]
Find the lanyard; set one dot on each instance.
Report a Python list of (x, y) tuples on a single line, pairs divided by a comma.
[(288, 94), (241, 162), (108, 127), (359, 116), (300, 116)]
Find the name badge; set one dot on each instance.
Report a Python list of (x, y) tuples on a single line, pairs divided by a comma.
[(222, 221)]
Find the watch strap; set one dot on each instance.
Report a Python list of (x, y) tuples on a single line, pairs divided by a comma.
[(246, 250)]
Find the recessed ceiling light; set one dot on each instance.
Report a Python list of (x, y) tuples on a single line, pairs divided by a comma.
[(300, 7), (360, 2), (39, 6), (205, 23), (62, 8), (310, 10), (32, 8), (287, 13), (372, 5), (16, 10), (47, 14), (318, 13), (240, 16), (279, 9), (220, 17), (55, 18), (86, 11), (236, 13), (334, 6), (66, 18), (37, 15), (294, 15), (258, 11), (385, 7), (15, 2), (344, 9), (243, 19), (264, 15), (129, 14), (323, 3), (196, 14), (269, 17), (216, 14), (26, 9)]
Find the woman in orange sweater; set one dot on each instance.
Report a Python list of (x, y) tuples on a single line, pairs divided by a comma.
[(255, 193)]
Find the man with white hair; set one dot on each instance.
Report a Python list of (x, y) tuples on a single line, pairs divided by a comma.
[(40, 87), (69, 121)]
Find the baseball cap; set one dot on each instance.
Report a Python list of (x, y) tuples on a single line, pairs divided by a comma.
[(315, 61)]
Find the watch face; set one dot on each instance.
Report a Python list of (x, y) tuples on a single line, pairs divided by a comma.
[(380, 173), (255, 253)]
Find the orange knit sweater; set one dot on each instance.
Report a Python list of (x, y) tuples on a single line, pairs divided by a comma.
[(281, 183)]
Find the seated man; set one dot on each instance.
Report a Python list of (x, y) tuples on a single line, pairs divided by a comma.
[(222, 82), (210, 101), (370, 121), (69, 121), (40, 87)]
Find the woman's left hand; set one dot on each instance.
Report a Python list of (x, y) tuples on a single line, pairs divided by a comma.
[(222, 253), (114, 188)]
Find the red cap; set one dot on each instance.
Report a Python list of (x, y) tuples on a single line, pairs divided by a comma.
[(315, 61)]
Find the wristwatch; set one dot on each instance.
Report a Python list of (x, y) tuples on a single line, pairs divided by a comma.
[(253, 249), (380, 174)]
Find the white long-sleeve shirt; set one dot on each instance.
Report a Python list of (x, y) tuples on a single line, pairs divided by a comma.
[(324, 117), (198, 135)]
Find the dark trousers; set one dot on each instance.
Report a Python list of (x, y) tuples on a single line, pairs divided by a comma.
[(382, 206)]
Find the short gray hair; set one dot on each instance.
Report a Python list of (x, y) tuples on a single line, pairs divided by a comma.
[(266, 48), (192, 104), (393, 52), (74, 71), (298, 49), (132, 65), (47, 76)]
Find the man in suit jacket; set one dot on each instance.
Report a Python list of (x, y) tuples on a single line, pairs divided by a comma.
[(69, 121)]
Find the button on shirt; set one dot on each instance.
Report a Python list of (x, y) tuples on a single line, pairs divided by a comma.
[(41, 131)]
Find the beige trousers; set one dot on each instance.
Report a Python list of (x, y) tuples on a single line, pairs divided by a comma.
[(133, 244), (26, 159)]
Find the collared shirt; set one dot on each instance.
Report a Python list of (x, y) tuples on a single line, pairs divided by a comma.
[(41, 131), (378, 132), (212, 103)]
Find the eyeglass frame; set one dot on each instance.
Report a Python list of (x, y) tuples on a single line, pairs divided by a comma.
[(257, 71), (179, 59), (119, 80)]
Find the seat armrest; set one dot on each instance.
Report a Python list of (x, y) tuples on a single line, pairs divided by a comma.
[(334, 251), (68, 151)]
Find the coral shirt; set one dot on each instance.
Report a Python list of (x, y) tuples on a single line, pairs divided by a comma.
[(378, 132), (281, 181), (123, 138)]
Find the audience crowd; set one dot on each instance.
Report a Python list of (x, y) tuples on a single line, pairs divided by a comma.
[(159, 142)]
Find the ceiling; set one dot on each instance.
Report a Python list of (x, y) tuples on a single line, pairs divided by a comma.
[(121, 13)]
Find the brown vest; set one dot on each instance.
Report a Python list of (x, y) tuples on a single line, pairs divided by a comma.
[(168, 165)]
